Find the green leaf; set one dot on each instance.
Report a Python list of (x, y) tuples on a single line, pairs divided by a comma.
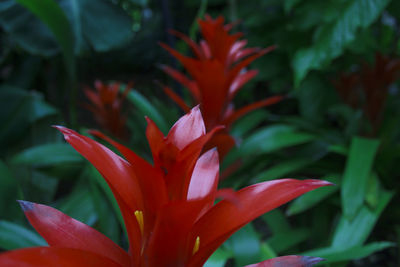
[(218, 258), (282, 241), (314, 197), (356, 174), (9, 193), (53, 16), (48, 155), (79, 205), (14, 236), (147, 109), (338, 254), (273, 138), (76, 25), (283, 168), (23, 108), (333, 37), (354, 232), (244, 245)]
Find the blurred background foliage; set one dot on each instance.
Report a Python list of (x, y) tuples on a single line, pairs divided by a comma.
[(337, 61)]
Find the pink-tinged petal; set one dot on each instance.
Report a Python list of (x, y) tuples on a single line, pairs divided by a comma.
[(288, 261), (204, 179), (186, 82), (223, 219), (176, 98), (187, 129), (239, 81), (243, 111), (60, 230), (116, 171), (54, 256), (151, 180)]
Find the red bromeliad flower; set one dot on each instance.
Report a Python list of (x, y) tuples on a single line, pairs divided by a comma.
[(217, 73), (106, 106), (169, 208)]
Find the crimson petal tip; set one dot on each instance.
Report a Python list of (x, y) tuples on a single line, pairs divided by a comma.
[(310, 261), (25, 205)]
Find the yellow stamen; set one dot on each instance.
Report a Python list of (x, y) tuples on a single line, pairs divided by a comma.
[(196, 245), (139, 218)]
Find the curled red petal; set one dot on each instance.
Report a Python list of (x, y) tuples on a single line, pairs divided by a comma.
[(289, 261), (54, 256), (225, 218), (60, 230)]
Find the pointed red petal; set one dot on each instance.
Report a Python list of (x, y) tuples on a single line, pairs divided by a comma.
[(204, 180), (289, 261), (224, 218), (60, 230), (116, 171), (224, 143), (189, 42), (156, 140), (239, 81), (187, 129), (243, 111), (186, 82), (176, 98), (53, 256)]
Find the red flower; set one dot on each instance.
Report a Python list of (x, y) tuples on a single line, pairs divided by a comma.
[(217, 73), (106, 106), (169, 207)]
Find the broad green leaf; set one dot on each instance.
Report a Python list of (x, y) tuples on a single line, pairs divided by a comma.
[(273, 138), (276, 220), (14, 236), (355, 177), (333, 37), (23, 108), (147, 109), (312, 198), (9, 193), (79, 205), (54, 17), (244, 245), (101, 25), (282, 241), (48, 155), (338, 254), (267, 252), (249, 122), (218, 258), (355, 232)]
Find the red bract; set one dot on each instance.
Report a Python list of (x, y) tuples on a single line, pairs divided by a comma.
[(217, 73), (106, 106), (368, 88), (169, 208)]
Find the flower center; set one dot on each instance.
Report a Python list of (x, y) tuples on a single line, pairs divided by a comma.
[(139, 218), (196, 245)]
